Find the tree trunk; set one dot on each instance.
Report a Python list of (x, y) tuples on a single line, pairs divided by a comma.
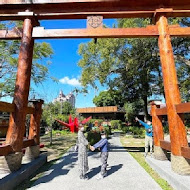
[(145, 107)]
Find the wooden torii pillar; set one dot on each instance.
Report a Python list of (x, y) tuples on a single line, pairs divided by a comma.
[(177, 130), (16, 127), (159, 153)]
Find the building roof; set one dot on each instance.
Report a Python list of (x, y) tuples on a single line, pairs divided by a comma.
[(107, 109)]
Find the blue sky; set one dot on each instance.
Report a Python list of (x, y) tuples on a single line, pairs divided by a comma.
[(64, 64)]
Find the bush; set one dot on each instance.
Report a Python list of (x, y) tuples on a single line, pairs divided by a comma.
[(93, 121), (136, 131), (107, 130), (166, 129), (62, 132), (116, 124), (93, 137), (125, 129)]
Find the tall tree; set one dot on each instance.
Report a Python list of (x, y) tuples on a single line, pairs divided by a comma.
[(9, 51)]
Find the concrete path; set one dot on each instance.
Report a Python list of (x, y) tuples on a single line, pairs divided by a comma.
[(125, 173)]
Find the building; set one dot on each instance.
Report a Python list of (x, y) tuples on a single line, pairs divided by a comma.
[(68, 98), (106, 113)]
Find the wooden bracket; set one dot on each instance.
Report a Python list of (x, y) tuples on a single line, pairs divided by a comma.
[(31, 15), (159, 12)]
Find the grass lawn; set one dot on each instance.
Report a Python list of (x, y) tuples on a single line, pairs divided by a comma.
[(135, 146), (61, 143)]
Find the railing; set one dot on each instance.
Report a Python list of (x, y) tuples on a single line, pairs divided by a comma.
[(33, 131), (156, 116)]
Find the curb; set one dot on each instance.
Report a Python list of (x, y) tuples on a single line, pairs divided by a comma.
[(10, 181), (163, 168)]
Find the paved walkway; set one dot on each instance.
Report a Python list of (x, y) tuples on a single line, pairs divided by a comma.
[(125, 173)]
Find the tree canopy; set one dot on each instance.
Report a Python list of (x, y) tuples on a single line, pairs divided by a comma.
[(9, 51), (132, 66), (109, 98), (57, 110)]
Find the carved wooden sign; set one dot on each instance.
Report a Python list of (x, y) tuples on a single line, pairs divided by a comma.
[(94, 21)]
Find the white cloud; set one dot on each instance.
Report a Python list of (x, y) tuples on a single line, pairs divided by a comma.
[(72, 81)]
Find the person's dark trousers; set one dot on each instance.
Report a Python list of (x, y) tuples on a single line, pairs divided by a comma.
[(104, 158)]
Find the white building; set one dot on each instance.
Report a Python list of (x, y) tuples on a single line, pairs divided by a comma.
[(68, 98)]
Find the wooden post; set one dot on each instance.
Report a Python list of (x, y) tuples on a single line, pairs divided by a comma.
[(16, 128), (177, 130), (32, 152), (159, 153), (34, 131)]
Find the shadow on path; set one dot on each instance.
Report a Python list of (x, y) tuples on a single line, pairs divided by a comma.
[(114, 169), (93, 172), (135, 149), (57, 169), (96, 170)]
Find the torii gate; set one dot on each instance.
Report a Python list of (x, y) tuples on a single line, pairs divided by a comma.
[(94, 11)]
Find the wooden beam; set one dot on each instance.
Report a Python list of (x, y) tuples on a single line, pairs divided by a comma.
[(28, 142), (183, 107), (179, 31), (165, 145), (93, 7), (6, 107), (106, 15), (161, 111), (41, 33), (30, 110), (185, 152), (5, 150)]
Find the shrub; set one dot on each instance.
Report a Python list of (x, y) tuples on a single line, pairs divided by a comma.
[(166, 129), (93, 137), (62, 132), (116, 124), (125, 129), (93, 121), (107, 130), (136, 131)]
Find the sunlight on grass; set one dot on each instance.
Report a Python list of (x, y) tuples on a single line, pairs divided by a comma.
[(136, 150)]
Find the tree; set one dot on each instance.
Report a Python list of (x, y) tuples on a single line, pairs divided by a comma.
[(9, 51), (122, 64), (109, 98), (132, 66), (57, 110)]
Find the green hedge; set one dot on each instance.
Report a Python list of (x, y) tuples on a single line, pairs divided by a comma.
[(93, 121), (116, 124), (93, 137), (136, 131)]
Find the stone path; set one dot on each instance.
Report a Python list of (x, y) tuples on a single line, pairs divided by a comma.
[(124, 173)]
